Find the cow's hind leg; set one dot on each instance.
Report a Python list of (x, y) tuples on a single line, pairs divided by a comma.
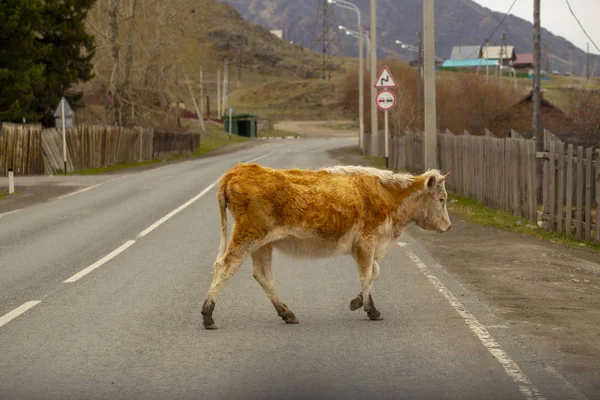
[(224, 268), (261, 269), (357, 302), (368, 272)]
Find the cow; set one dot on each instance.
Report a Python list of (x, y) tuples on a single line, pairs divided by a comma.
[(319, 213)]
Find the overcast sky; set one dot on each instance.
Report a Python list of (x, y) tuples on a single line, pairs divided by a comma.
[(557, 18)]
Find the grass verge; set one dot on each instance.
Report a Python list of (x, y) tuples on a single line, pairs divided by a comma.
[(474, 212), (477, 213)]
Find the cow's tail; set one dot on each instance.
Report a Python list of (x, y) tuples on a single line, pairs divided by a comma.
[(222, 199)]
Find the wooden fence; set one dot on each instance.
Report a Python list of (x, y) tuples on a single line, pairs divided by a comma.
[(21, 149), (29, 150), (571, 193), (499, 173)]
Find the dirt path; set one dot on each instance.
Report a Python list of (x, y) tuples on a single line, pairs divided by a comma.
[(548, 293)]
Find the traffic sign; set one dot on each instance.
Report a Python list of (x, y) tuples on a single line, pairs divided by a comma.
[(385, 80), (386, 100)]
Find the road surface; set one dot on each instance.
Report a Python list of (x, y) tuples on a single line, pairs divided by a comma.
[(101, 293)]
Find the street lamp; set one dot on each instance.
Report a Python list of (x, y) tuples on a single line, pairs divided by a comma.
[(356, 34), (420, 71), (361, 100)]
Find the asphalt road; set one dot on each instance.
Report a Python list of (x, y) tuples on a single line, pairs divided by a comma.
[(131, 327)]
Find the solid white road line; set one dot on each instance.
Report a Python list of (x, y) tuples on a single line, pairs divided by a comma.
[(189, 202), (90, 187), (510, 367), (5, 319), (100, 262)]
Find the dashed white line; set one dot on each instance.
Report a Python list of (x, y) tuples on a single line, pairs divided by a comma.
[(100, 262), (5, 319), (176, 211), (188, 203), (510, 367)]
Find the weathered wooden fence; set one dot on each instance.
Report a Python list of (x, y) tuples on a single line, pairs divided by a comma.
[(499, 173), (571, 189), (29, 150), (21, 149)]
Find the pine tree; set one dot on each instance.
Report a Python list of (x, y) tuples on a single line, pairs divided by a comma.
[(45, 49)]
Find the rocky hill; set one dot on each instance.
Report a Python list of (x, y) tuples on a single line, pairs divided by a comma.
[(458, 22)]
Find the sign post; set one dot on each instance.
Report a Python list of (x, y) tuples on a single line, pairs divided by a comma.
[(386, 100)]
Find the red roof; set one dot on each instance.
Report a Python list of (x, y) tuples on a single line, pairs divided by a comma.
[(524, 58)]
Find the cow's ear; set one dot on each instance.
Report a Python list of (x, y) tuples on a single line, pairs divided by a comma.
[(431, 182)]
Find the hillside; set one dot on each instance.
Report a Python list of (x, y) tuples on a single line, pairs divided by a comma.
[(161, 45), (458, 22)]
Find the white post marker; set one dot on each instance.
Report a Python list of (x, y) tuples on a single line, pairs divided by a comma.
[(11, 181), (64, 133), (386, 100), (230, 122)]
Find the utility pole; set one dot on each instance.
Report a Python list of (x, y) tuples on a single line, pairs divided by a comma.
[(430, 134), (537, 67), (570, 61), (587, 62), (420, 94), (361, 94), (201, 90), (375, 148)]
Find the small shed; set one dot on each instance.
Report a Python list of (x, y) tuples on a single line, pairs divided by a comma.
[(242, 125)]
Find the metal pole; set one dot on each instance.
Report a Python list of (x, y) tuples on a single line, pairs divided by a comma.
[(387, 134), (230, 122), (64, 133), (430, 135), (537, 67), (361, 89), (375, 151), (11, 181), (219, 114), (420, 93)]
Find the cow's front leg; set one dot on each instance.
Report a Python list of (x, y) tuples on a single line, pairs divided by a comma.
[(368, 272), (357, 302)]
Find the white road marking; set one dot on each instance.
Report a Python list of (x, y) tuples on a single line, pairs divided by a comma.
[(5, 319), (510, 367), (89, 187), (177, 210), (100, 262), (10, 212), (402, 244), (189, 203)]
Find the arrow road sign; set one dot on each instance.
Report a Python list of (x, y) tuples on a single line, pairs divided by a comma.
[(386, 100), (385, 80)]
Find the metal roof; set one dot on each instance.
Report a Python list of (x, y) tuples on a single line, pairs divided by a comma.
[(469, 63), (524, 58), (494, 52), (465, 52)]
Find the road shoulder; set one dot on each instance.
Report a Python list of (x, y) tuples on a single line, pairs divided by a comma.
[(547, 292)]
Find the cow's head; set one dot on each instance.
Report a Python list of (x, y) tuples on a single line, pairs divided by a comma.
[(431, 213)]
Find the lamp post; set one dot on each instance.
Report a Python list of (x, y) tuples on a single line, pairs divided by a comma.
[(361, 99), (420, 90)]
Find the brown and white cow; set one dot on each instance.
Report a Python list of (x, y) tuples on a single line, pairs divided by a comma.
[(330, 211)]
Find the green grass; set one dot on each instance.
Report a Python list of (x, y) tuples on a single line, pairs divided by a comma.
[(3, 194), (477, 213)]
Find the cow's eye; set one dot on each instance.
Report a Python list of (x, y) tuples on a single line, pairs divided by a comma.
[(442, 200)]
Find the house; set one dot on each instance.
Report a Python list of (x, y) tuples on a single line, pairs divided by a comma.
[(463, 57), (523, 63), (504, 53), (518, 117)]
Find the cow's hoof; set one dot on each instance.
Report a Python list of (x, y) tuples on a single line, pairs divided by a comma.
[(210, 327), (290, 318), (356, 303), (374, 315)]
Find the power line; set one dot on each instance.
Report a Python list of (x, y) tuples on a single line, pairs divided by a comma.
[(496, 28), (582, 28)]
